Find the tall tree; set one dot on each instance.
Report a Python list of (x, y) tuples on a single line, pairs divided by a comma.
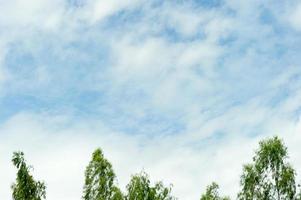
[(212, 193), (100, 179), (26, 188), (270, 176), (139, 188)]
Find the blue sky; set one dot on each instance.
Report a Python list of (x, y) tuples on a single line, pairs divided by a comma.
[(182, 89)]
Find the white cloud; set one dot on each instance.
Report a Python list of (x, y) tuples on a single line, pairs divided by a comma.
[(55, 14), (101, 9), (295, 17), (141, 58), (21, 15), (60, 150)]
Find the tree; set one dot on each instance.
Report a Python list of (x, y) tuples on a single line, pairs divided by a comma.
[(270, 176), (100, 179), (117, 194), (212, 193), (139, 188), (26, 188)]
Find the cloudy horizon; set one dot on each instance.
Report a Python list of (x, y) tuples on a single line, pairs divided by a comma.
[(183, 90)]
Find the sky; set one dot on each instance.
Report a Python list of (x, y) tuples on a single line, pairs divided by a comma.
[(183, 90)]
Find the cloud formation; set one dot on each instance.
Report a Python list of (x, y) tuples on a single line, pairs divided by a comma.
[(184, 90)]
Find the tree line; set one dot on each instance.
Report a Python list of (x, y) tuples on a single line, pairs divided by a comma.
[(268, 177)]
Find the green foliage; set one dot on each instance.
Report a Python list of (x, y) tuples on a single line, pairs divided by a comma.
[(139, 188), (269, 177), (212, 193), (26, 188), (100, 179), (117, 194)]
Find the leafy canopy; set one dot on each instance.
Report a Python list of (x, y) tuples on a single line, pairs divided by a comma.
[(270, 176), (212, 193), (139, 188), (26, 188), (100, 179)]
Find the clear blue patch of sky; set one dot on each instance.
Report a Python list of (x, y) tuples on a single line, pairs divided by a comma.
[(10, 105)]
